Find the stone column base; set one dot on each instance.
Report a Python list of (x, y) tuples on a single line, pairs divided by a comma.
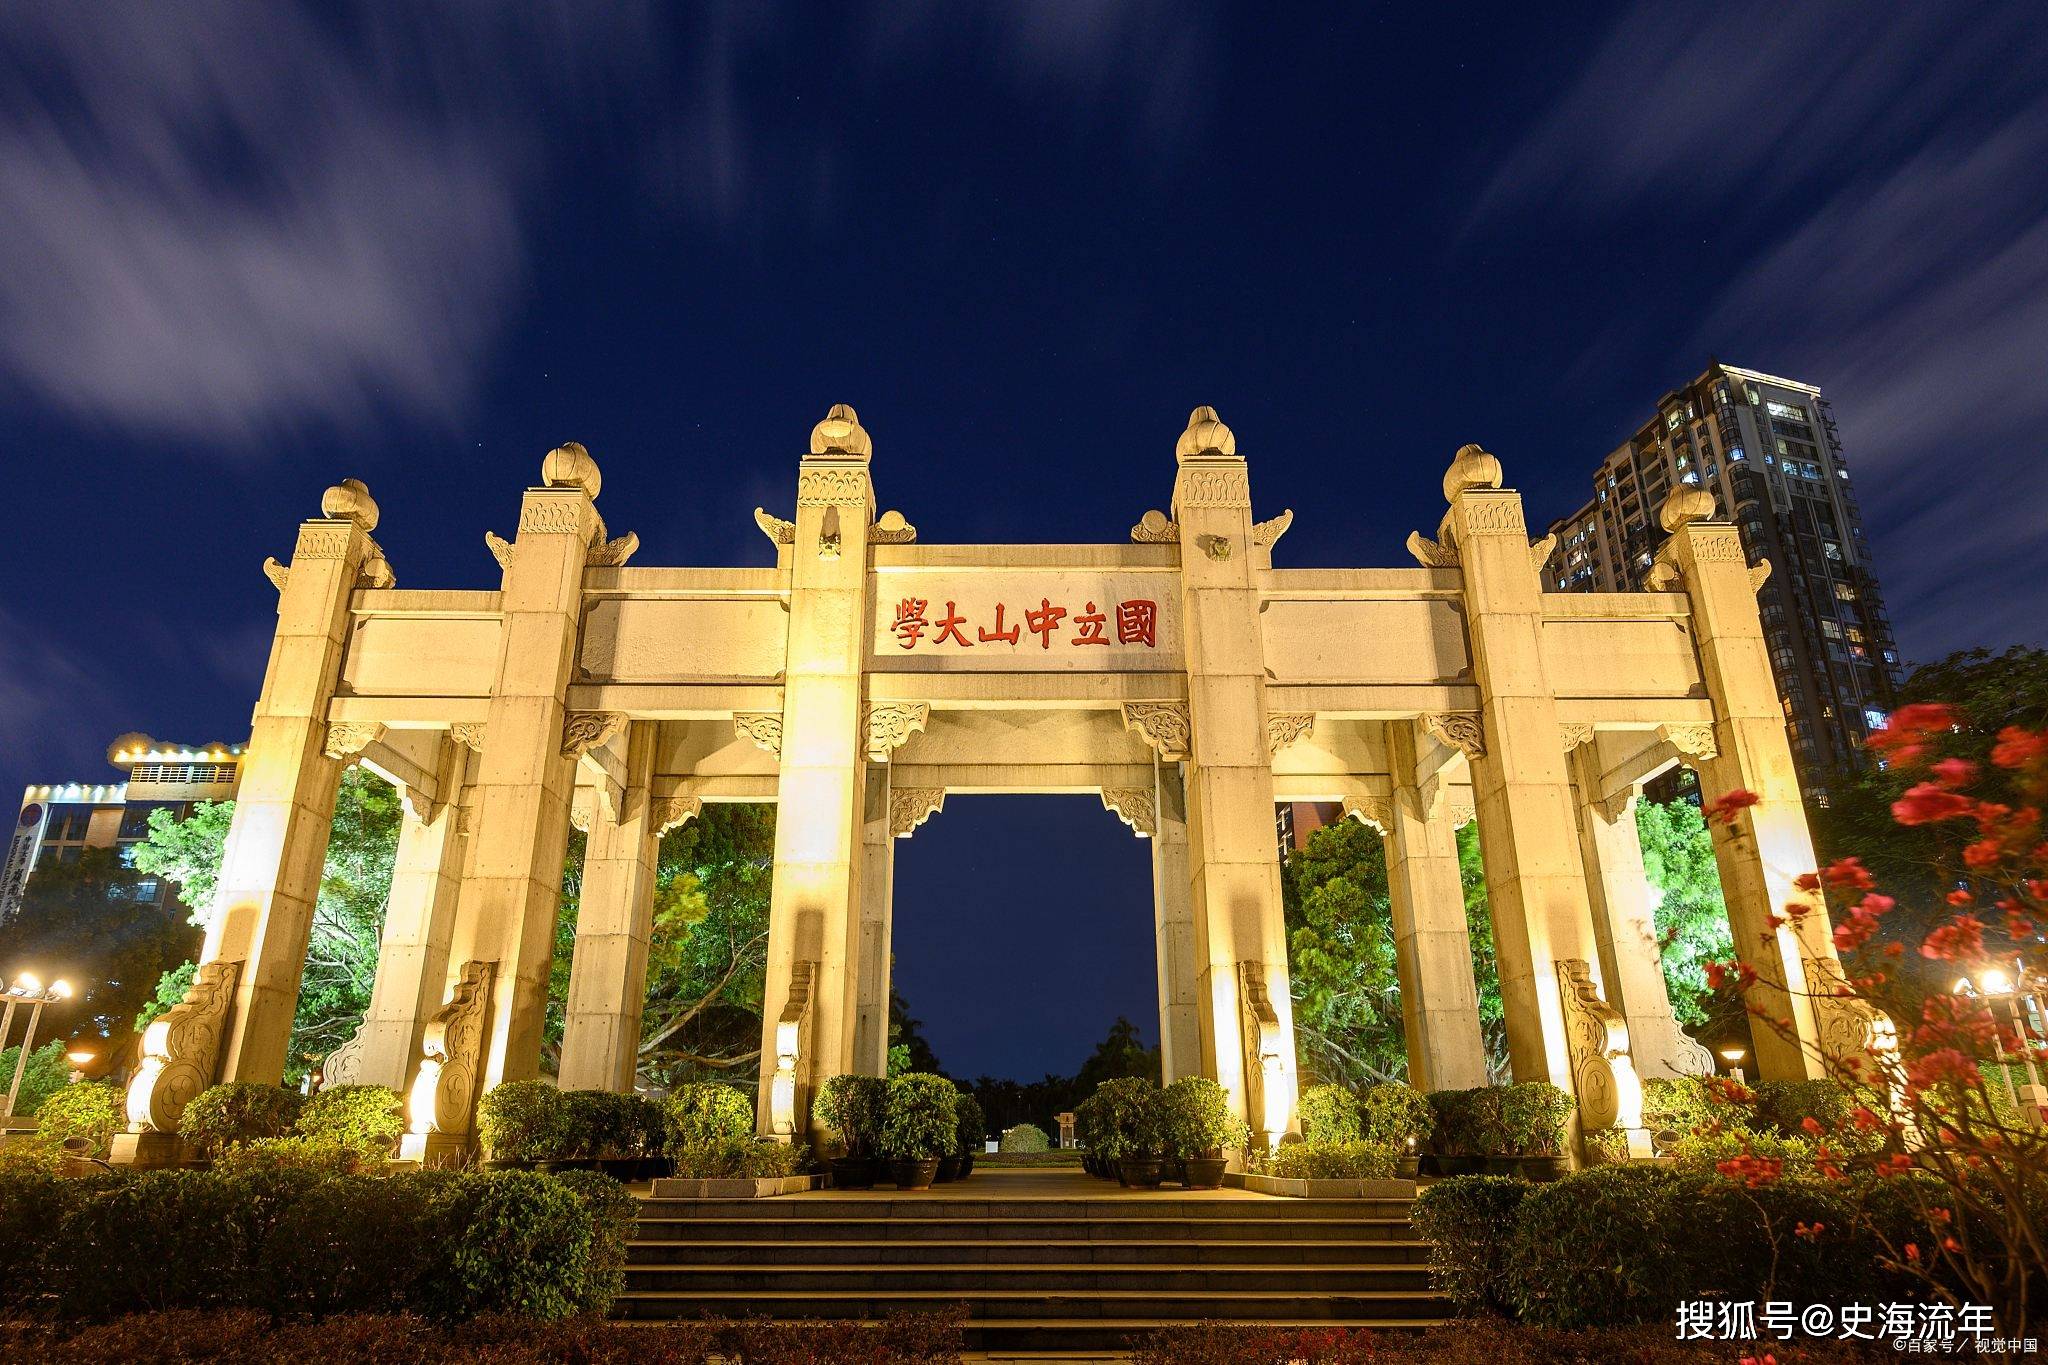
[(149, 1150), (436, 1150)]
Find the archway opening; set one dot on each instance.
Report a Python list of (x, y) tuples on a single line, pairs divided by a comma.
[(1023, 934)]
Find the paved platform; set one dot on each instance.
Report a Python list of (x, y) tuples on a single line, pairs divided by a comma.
[(999, 1183)]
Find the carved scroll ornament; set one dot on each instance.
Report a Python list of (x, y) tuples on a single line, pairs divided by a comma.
[(181, 1049), (1287, 728), (1134, 806), (762, 727), (1610, 1095), (1458, 729), (583, 731), (910, 807), (346, 739), (889, 726), (1265, 1065), (789, 1084), (1155, 528), (1161, 724), (443, 1097)]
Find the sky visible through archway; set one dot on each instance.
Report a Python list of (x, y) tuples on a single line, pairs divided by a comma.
[(1023, 929)]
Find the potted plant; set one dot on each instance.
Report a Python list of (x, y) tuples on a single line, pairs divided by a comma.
[(1454, 1147), (650, 1138), (970, 1127), (1088, 1133), (1199, 1126), (918, 1128), (1397, 1116), (1330, 1113), (1133, 1136), (855, 1107), (1535, 1118)]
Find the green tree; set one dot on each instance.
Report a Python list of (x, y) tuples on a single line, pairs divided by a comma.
[(1122, 1052), (48, 1071), (1691, 921), (82, 921), (908, 1050), (348, 917), (1340, 951)]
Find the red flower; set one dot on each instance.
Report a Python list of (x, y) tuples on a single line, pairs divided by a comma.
[(1811, 1125), (1954, 772), (2017, 748), (1849, 874), (1962, 937), (1924, 803), (1724, 809), (1982, 854), (1875, 904), (1960, 896)]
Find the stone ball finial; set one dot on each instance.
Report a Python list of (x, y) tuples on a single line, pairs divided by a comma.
[(1206, 435), (569, 465), (841, 434), (350, 500), (1685, 507), (1471, 467)]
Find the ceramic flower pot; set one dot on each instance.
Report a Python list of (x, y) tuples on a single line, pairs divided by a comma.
[(1141, 1172), (949, 1169), (853, 1172), (1204, 1172), (914, 1173)]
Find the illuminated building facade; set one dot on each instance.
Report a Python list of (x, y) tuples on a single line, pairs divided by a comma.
[(58, 821), (1766, 448)]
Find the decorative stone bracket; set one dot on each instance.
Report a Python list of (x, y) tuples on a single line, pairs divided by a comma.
[(889, 725), (1847, 1027), (1135, 806), (910, 807), (1459, 730), (346, 739), (1609, 1093), (1265, 1068), (778, 531), (671, 811), (1287, 728), (1161, 724), (1376, 811), (788, 1088), (583, 731), (443, 1098), (764, 728), (1695, 743), (181, 1049)]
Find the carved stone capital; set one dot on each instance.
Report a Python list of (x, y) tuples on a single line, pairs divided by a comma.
[(762, 727), (181, 1049), (583, 731), (1493, 512), (832, 486), (1695, 742), (346, 739), (500, 548), (1155, 528), (1134, 806), (672, 811), (547, 513), (1161, 724), (469, 734), (1596, 1036), (890, 724), (1376, 811), (1459, 730), (1573, 735), (910, 807), (443, 1097), (778, 531)]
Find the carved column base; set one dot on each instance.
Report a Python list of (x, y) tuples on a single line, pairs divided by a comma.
[(149, 1150), (436, 1151)]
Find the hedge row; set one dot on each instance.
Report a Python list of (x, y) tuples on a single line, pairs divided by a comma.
[(1626, 1244), (293, 1240)]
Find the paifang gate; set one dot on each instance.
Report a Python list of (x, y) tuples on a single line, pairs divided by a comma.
[(866, 676)]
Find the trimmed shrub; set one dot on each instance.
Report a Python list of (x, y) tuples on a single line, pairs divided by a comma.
[(1024, 1137), (1199, 1119), (238, 1111), (736, 1158), (368, 1118), (921, 1121), (516, 1242), (1678, 1104), (970, 1125), (612, 1215), (91, 1110), (1535, 1120), (522, 1121), (1597, 1249), (317, 1155), (855, 1108), (1704, 1150), (33, 1203), (707, 1110), (1469, 1223), (1330, 1113), (1359, 1160), (598, 1125), (1468, 1122), (1130, 1118), (352, 1246), (1396, 1115), (157, 1240)]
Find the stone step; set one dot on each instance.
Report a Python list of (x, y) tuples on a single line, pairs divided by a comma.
[(1075, 1341), (933, 1251), (662, 1226), (967, 1280), (1155, 1307)]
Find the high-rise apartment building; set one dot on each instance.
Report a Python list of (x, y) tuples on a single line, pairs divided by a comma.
[(57, 822), (1768, 450)]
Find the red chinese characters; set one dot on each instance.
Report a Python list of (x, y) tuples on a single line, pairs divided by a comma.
[(1137, 623)]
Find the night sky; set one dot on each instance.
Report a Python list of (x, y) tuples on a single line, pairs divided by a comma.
[(247, 250)]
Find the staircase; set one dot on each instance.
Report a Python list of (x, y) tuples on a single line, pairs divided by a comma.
[(1073, 1265)]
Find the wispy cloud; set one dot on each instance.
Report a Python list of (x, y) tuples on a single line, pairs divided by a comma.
[(1880, 167)]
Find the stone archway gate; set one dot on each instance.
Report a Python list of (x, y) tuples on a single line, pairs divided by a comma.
[(866, 675)]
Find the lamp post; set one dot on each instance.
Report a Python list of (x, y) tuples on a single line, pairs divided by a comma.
[(1995, 985), (27, 990), (1733, 1056), (1992, 983)]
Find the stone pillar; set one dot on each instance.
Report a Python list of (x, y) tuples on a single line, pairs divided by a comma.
[(412, 955), (615, 916), (1432, 940), (235, 1022), (1247, 1018), (813, 914), (1559, 1029), (1625, 929), (877, 912), (1767, 845), (505, 925), (1173, 923)]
